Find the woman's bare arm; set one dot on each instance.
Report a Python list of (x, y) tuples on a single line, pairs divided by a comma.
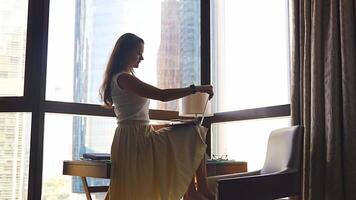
[(133, 84)]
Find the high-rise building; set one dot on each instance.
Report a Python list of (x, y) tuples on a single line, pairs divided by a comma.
[(168, 58), (179, 52), (14, 155), (190, 42), (14, 137)]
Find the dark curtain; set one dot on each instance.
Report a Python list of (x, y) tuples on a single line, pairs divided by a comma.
[(323, 91)]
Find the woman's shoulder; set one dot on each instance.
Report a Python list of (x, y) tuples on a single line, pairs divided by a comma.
[(126, 77), (121, 78)]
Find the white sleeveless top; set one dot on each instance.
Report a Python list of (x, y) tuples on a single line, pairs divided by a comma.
[(127, 105)]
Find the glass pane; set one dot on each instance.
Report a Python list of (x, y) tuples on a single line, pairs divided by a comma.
[(14, 154), (250, 53), (13, 25), (67, 137), (245, 140), (76, 62)]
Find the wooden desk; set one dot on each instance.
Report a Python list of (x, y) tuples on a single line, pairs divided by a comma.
[(101, 169), (214, 167), (86, 168)]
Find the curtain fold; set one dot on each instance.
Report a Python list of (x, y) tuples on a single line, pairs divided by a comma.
[(323, 92)]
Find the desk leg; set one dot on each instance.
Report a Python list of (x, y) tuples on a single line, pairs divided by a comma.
[(86, 189)]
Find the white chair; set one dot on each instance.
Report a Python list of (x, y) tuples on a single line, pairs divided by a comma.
[(280, 176)]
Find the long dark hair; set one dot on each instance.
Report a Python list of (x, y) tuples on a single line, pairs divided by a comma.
[(117, 62)]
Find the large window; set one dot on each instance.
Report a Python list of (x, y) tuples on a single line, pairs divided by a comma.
[(250, 58), (78, 55), (250, 67), (56, 116)]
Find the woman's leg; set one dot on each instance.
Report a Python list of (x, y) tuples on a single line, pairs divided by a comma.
[(202, 183)]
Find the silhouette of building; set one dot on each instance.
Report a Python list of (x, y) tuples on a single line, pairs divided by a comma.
[(190, 42), (168, 57), (179, 52)]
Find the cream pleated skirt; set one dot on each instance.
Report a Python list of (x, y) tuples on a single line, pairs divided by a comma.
[(154, 165)]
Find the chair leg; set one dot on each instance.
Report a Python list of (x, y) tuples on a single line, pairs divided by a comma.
[(86, 189)]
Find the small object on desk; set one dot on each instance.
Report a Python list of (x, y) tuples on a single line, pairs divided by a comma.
[(97, 156)]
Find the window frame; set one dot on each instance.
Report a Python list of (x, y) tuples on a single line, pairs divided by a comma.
[(35, 89)]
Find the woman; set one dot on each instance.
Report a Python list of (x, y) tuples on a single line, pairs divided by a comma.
[(150, 162)]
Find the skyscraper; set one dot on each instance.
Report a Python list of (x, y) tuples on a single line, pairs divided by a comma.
[(190, 42), (168, 57), (179, 52)]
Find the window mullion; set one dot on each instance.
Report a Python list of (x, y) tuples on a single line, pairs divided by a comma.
[(35, 87)]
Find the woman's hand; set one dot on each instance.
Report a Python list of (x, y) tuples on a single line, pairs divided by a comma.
[(206, 89)]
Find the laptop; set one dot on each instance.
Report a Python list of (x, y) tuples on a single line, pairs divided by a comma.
[(180, 122)]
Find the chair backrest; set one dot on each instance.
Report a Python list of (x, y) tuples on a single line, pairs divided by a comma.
[(284, 150)]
